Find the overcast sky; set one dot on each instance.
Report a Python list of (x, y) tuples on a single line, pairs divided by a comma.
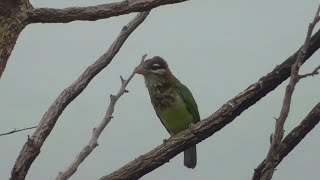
[(216, 48)]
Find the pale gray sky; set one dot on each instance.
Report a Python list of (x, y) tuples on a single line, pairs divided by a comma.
[(216, 48)]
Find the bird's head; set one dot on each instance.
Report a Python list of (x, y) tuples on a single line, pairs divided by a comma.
[(155, 70), (155, 66)]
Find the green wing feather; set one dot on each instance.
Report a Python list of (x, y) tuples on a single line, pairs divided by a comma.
[(188, 99), (190, 155)]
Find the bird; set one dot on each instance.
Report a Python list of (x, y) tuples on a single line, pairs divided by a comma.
[(172, 101)]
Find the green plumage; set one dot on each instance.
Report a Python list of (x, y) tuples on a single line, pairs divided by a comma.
[(172, 101), (178, 115)]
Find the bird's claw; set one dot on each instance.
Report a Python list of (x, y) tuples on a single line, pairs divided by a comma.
[(191, 127), (165, 141)]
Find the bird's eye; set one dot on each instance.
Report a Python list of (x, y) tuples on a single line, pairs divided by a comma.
[(156, 66)]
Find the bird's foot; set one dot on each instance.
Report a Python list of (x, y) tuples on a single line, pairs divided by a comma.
[(191, 127), (166, 140)]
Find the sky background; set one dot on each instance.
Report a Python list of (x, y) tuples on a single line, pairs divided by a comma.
[(216, 48)]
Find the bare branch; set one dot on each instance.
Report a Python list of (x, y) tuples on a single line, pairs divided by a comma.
[(31, 149), (207, 127), (313, 73), (17, 130), (294, 78), (98, 130), (16, 14), (292, 139), (92, 13)]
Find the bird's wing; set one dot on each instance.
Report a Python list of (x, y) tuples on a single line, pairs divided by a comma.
[(188, 99)]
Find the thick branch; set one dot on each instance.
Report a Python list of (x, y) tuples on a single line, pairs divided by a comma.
[(207, 127), (13, 19), (97, 131), (294, 78), (31, 149), (292, 140), (92, 13)]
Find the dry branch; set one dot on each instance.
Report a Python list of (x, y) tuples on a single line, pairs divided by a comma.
[(17, 130), (207, 127), (92, 13), (98, 130), (31, 149), (292, 140), (294, 79)]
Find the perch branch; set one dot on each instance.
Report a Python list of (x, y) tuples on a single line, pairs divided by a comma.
[(294, 79), (292, 140), (66, 174), (31, 149), (17, 130), (207, 127), (92, 13)]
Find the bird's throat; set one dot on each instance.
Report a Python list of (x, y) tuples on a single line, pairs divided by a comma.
[(162, 96)]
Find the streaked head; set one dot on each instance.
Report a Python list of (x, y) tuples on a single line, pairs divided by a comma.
[(155, 72), (155, 66)]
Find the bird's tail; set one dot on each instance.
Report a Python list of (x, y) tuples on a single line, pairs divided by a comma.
[(190, 157)]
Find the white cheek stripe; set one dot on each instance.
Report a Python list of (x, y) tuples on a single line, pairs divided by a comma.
[(159, 71)]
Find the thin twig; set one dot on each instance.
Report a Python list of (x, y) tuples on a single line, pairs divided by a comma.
[(313, 73), (294, 79), (17, 130), (31, 149), (85, 152)]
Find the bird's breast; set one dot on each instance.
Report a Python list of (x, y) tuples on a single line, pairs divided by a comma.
[(162, 100)]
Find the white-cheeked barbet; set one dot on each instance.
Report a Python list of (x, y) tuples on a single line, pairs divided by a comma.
[(172, 101)]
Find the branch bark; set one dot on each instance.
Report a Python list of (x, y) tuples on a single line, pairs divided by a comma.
[(276, 138), (31, 149), (85, 152), (7, 5), (291, 140), (13, 19), (207, 127), (92, 13)]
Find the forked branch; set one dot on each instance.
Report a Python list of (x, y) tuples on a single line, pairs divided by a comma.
[(277, 136), (31, 149), (85, 152), (291, 140)]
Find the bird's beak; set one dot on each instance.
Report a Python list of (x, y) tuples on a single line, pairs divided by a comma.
[(140, 70)]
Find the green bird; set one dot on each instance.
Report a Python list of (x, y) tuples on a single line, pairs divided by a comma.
[(172, 101)]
